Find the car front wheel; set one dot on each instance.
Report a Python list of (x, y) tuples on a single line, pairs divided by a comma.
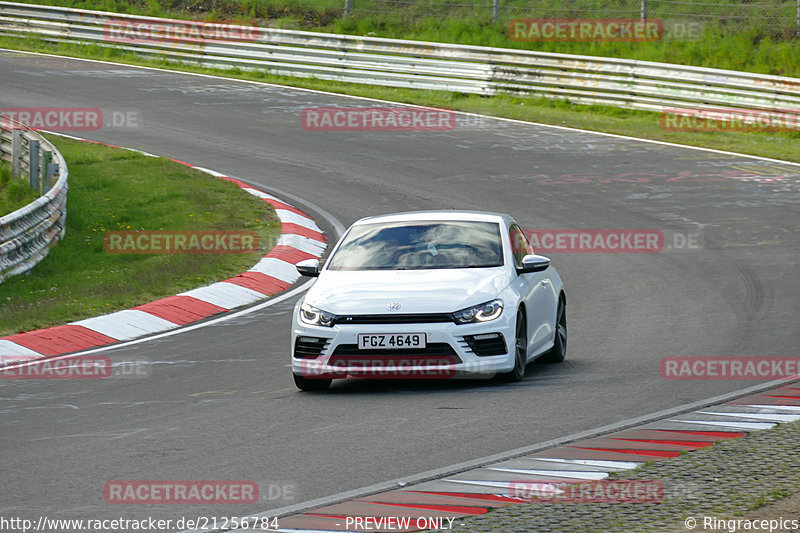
[(520, 351), (559, 350)]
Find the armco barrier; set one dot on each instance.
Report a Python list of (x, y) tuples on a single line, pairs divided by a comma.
[(27, 233), (423, 65)]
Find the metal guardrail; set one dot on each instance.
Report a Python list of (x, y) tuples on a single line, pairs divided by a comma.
[(422, 65), (27, 234)]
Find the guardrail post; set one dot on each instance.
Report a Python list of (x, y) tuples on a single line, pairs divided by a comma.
[(496, 10), (44, 183), (53, 173), (348, 5), (16, 153), (643, 9), (33, 164)]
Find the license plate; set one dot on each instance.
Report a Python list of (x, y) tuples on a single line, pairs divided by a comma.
[(390, 341)]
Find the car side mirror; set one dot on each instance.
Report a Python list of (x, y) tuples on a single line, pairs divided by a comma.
[(534, 263), (309, 267)]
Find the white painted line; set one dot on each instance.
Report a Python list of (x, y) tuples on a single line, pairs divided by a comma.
[(126, 324), (571, 474), (495, 484), (225, 295), (304, 244), (277, 268), (755, 416), (541, 487), (12, 348), (622, 465), (60, 134), (771, 407), (752, 426), (290, 217)]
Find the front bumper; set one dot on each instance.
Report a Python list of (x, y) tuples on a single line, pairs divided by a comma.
[(448, 354)]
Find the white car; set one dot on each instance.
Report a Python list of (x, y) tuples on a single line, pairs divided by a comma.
[(428, 295)]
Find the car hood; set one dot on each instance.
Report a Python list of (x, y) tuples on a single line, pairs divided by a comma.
[(417, 291)]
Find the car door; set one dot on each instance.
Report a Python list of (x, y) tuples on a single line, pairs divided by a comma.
[(537, 291)]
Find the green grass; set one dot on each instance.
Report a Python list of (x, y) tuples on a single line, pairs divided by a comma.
[(778, 145), (112, 189), (14, 192)]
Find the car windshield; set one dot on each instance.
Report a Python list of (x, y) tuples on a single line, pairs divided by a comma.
[(420, 245)]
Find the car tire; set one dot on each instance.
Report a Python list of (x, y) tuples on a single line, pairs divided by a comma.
[(559, 350), (520, 351), (306, 384)]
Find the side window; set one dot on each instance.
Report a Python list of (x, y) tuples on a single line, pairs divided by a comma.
[(519, 244)]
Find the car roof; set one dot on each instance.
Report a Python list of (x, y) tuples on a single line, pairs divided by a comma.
[(412, 216)]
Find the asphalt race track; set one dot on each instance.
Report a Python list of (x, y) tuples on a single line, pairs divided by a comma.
[(220, 404)]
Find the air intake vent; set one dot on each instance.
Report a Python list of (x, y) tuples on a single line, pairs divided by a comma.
[(309, 347), (487, 344)]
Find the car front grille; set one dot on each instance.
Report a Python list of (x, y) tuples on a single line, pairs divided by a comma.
[(433, 354), (417, 318)]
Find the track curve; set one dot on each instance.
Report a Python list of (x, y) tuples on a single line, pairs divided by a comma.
[(220, 403)]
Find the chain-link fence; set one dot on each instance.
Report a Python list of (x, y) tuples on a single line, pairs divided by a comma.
[(736, 15)]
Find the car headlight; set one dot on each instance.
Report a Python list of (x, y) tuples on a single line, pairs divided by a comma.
[(316, 317), (480, 313)]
